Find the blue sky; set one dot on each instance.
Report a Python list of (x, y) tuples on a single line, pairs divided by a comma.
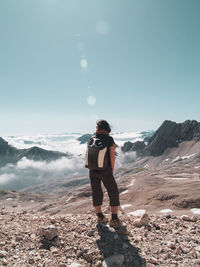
[(66, 63)]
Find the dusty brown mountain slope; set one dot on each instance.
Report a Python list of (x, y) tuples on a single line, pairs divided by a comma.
[(170, 181)]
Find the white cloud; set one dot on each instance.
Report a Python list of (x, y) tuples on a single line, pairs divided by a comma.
[(57, 165), (6, 177), (124, 158), (27, 172), (57, 142)]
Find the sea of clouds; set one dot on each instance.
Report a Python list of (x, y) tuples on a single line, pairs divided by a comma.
[(28, 172)]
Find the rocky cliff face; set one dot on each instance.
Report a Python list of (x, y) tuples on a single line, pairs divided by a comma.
[(138, 147), (169, 134), (8, 154)]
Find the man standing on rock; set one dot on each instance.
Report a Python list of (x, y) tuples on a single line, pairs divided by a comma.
[(100, 159)]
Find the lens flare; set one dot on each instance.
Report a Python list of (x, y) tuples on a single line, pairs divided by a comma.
[(83, 63), (102, 27), (91, 100)]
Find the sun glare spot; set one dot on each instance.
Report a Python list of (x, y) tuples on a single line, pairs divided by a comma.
[(83, 63), (91, 100), (102, 27), (80, 46)]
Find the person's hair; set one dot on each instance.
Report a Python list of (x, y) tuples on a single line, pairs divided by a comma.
[(103, 125)]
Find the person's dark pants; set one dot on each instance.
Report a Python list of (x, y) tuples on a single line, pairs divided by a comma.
[(110, 184)]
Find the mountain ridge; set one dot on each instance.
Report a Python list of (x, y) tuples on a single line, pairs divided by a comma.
[(169, 134), (10, 154)]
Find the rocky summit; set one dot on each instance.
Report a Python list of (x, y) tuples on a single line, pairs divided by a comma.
[(169, 134), (34, 239)]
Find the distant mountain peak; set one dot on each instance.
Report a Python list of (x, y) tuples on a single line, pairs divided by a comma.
[(9, 154), (3, 142), (169, 134)]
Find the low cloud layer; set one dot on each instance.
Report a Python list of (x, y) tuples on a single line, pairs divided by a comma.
[(28, 172), (124, 158)]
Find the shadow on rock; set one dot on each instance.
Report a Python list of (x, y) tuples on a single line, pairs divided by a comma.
[(116, 249)]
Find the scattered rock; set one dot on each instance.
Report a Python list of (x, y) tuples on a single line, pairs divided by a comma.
[(3, 253), (4, 262), (197, 248), (91, 232), (188, 218), (115, 260), (178, 250), (88, 257), (143, 220), (49, 232), (31, 261), (171, 245), (54, 250), (81, 243), (153, 260), (75, 264)]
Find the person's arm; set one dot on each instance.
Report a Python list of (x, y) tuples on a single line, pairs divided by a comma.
[(112, 157)]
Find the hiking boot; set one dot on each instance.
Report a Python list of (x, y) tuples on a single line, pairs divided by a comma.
[(119, 227), (116, 224), (103, 220)]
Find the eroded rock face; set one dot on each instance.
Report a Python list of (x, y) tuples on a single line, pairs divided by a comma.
[(170, 134), (137, 146)]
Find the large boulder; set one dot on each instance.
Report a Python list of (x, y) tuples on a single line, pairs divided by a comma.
[(49, 232)]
